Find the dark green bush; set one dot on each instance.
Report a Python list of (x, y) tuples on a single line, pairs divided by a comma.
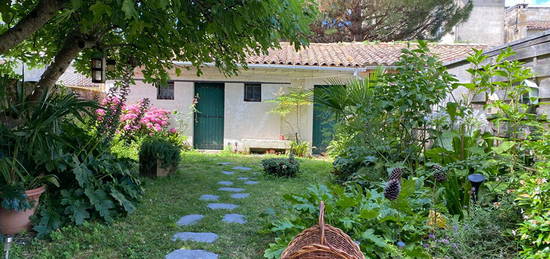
[(159, 149), (284, 167)]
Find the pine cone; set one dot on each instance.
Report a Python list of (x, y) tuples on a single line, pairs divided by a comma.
[(439, 174), (396, 174), (392, 190)]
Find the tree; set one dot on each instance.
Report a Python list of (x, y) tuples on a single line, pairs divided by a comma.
[(145, 33), (387, 20), (292, 102)]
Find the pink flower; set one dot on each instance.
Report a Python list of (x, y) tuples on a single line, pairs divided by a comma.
[(100, 112), (173, 130)]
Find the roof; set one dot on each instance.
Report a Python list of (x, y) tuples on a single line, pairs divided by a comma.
[(355, 54), (538, 25), (72, 78)]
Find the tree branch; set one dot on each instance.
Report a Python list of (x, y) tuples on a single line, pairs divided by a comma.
[(40, 15), (74, 43)]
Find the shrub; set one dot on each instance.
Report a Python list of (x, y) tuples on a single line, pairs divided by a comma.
[(383, 228), (283, 167), (483, 233), (158, 149)]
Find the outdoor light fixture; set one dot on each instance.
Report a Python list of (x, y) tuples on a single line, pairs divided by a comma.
[(7, 246), (98, 70), (111, 65), (476, 180)]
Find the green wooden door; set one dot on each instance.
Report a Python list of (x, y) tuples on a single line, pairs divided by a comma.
[(209, 115), (323, 125)]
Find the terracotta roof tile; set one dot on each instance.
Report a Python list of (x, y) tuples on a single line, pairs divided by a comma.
[(538, 25), (73, 78), (354, 54)]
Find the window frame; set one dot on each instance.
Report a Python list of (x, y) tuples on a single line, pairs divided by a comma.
[(255, 92), (170, 86)]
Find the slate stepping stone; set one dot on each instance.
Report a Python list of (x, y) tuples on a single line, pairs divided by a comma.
[(191, 254), (224, 163), (242, 168), (240, 195), (222, 206), (227, 172), (251, 182), (234, 218), (230, 189), (209, 197), (189, 219), (243, 178), (195, 236), (225, 182)]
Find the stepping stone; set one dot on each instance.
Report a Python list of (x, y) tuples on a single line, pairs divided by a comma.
[(255, 173), (227, 172), (222, 206), (189, 219), (194, 236), (243, 178), (225, 182), (230, 189), (191, 254), (242, 168), (240, 195), (251, 182), (209, 197), (224, 163), (234, 218)]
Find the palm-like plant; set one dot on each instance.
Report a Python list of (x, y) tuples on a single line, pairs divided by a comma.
[(32, 132)]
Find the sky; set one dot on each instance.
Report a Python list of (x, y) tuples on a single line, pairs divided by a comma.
[(535, 2)]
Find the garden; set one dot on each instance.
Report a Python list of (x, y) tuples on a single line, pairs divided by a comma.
[(108, 178)]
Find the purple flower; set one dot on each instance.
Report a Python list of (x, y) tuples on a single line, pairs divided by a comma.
[(444, 241), (431, 236), (454, 245), (455, 228), (426, 245)]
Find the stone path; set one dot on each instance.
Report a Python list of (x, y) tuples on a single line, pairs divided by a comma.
[(233, 218), (189, 219)]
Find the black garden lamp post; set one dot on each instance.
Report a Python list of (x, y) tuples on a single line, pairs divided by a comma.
[(476, 180), (98, 70)]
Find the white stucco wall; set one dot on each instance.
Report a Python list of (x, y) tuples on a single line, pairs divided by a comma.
[(244, 122)]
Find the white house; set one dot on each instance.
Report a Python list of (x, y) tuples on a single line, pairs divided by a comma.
[(235, 111)]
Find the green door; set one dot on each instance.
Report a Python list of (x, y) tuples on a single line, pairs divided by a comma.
[(208, 125), (323, 125)]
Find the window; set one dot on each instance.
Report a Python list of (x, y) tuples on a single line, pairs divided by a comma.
[(252, 92), (165, 92)]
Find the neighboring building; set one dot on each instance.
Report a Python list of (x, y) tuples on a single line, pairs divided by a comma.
[(534, 51), (524, 20), (235, 111), (485, 24)]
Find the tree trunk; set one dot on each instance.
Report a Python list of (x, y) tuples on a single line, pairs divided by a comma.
[(356, 19), (40, 15), (72, 46)]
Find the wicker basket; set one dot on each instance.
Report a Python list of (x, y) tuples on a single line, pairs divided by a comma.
[(322, 241)]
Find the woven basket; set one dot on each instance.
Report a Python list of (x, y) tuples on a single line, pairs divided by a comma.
[(322, 241)]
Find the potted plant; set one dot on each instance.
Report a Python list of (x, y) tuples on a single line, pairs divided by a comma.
[(19, 195), (158, 156), (31, 149)]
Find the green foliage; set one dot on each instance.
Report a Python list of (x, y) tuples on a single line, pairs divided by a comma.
[(377, 223), (396, 102), (282, 167), (300, 149), (94, 184), (483, 233), (156, 149), (216, 32)]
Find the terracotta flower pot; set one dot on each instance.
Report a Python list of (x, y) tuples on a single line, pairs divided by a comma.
[(13, 222)]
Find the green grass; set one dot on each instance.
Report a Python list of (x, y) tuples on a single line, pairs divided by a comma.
[(147, 232)]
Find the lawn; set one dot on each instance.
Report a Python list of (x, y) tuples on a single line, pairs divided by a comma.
[(148, 231)]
